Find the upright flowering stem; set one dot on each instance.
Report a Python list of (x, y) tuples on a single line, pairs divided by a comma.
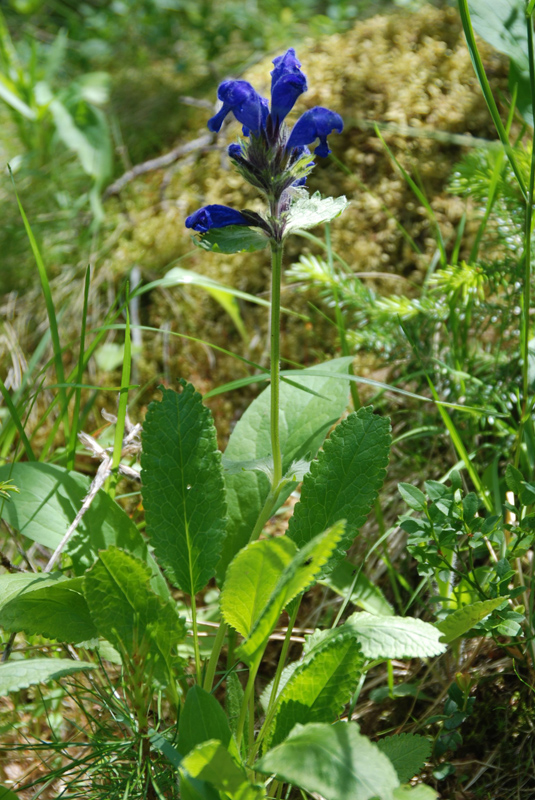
[(276, 272)]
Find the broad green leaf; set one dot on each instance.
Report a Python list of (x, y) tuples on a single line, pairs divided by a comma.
[(305, 420), (251, 580), (394, 637), (413, 496), (127, 613), (192, 789), (202, 718), (211, 762), (344, 480), (308, 211), (233, 702), (335, 761), (159, 742), (463, 619), (319, 687), (408, 752), (19, 674), (419, 792), (7, 794), (232, 239), (49, 500), (294, 579), (45, 605), (364, 593), (183, 489)]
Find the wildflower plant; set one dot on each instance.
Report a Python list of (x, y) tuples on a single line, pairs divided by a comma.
[(205, 518)]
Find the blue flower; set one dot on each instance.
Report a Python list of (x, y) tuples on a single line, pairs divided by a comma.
[(245, 103), (235, 150), (215, 216), (317, 123), (287, 83)]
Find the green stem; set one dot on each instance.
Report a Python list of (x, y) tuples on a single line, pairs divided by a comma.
[(245, 702), (276, 272), (528, 231), (196, 640), (214, 657), (265, 514), (276, 681)]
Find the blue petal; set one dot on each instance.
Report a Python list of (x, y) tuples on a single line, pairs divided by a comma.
[(240, 98), (317, 123), (287, 83), (235, 150), (214, 216)]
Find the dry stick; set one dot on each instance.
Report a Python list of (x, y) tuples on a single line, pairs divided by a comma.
[(157, 163)]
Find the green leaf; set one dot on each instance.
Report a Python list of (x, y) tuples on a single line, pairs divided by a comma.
[(183, 489), (408, 752), (15, 675), (211, 762), (202, 718), (319, 687), (419, 792), (364, 593), (294, 578), (464, 619), (233, 702), (49, 500), (163, 745), (191, 789), (305, 420), (47, 605), (394, 637), (7, 794), (232, 239), (127, 613), (308, 211), (413, 496), (344, 480), (335, 761)]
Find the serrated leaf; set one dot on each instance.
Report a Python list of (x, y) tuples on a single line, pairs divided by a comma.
[(413, 496), (232, 239), (344, 480), (408, 752), (394, 637), (335, 761), (463, 619), (15, 675), (202, 718), (305, 420), (308, 211), (211, 762), (364, 593), (48, 503), (251, 580), (319, 687), (127, 613), (51, 606), (183, 488), (294, 578)]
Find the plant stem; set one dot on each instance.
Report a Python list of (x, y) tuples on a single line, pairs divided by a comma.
[(265, 514), (214, 657), (526, 297), (253, 669), (196, 640), (276, 272)]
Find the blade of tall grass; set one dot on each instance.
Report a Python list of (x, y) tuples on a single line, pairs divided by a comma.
[(17, 422), (77, 388), (123, 400)]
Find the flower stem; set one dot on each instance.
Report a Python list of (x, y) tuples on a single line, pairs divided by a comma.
[(276, 272), (214, 657)]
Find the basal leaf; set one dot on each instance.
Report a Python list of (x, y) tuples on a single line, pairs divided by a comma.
[(126, 611), (319, 687), (251, 580), (334, 761), (364, 593), (49, 607), (305, 420), (232, 239), (183, 489), (202, 718), (308, 211), (20, 674), (394, 637), (49, 500), (344, 480), (211, 762), (408, 752), (419, 792), (294, 579), (463, 619)]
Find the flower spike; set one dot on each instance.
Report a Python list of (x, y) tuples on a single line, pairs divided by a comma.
[(317, 123)]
